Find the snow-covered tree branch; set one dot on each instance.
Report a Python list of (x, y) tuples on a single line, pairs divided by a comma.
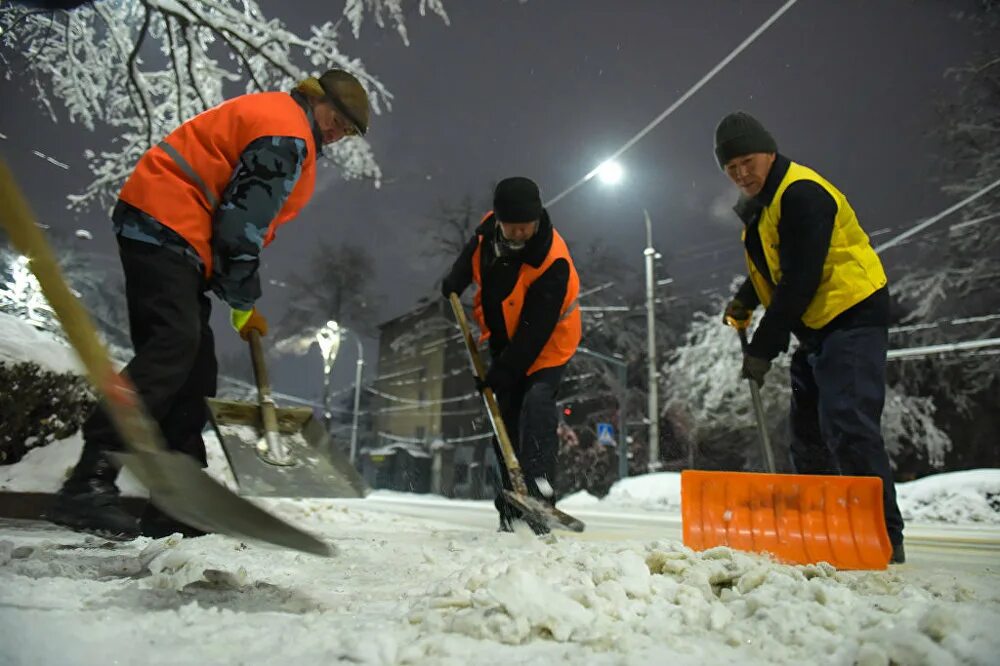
[(141, 67), (948, 287)]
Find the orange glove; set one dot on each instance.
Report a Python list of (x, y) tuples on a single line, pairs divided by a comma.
[(245, 321)]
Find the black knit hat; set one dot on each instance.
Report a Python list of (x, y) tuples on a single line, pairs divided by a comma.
[(516, 200), (741, 134)]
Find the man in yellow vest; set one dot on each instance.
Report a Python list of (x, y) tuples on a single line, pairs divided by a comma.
[(193, 217), (526, 306), (812, 268)]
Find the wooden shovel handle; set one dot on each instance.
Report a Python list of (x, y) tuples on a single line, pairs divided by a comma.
[(509, 458)]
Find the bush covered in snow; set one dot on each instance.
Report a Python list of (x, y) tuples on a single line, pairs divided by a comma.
[(971, 496), (38, 406)]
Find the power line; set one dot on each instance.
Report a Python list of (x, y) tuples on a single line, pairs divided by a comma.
[(943, 322), (416, 440), (673, 107), (942, 348), (937, 218), (421, 403)]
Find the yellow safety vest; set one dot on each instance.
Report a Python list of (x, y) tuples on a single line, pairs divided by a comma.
[(851, 272)]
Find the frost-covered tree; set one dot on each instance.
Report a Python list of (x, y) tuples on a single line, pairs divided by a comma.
[(709, 406), (449, 228), (337, 287), (20, 293), (948, 287), (141, 67)]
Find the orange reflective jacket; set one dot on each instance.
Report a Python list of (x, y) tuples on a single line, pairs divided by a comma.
[(565, 338), (180, 181)]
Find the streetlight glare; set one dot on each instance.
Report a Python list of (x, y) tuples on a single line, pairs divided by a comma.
[(610, 172)]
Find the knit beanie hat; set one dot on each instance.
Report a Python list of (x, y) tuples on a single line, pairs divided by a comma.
[(517, 200), (740, 134)]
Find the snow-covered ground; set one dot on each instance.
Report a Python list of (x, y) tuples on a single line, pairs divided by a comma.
[(411, 591), (413, 584)]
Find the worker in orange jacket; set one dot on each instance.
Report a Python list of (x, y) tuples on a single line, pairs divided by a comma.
[(526, 307), (193, 217)]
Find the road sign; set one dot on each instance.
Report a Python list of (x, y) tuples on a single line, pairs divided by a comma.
[(605, 434)]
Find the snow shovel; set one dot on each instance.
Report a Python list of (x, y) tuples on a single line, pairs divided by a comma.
[(758, 410), (176, 482), (798, 518), (280, 451), (530, 507)]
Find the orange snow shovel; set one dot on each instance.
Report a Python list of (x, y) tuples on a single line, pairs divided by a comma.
[(798, 518)]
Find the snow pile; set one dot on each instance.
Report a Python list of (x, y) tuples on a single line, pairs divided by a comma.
[(21, 342), (722, 603), (658, 491), (43, 469), (579, 499), (972, 496), (655, 492)]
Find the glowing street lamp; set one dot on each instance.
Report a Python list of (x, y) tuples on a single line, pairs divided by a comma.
[(329, 337), (610, 172)]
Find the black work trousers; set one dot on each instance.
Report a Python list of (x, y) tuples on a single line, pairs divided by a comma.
[(838, 391), (174, 367), (530, 414)]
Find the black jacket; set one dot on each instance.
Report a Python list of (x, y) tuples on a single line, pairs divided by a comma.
[(805, 229), (542, 304)]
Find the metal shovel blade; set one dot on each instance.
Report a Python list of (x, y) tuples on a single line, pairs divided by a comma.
[(313, 468), (538, 511), (180, 487), (797, 518)]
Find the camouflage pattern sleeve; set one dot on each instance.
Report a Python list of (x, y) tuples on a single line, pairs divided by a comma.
[(264, 178)]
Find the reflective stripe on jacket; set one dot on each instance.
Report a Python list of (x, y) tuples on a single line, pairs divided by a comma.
[(180, 182)]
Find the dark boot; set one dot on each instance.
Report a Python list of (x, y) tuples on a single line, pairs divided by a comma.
[(507, 513), (157, 524), (89, 501), (898, 554)]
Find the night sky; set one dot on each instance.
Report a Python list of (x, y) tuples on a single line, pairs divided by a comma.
[(547, 89)]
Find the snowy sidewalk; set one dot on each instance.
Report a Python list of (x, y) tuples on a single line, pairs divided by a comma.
[(406, 590)]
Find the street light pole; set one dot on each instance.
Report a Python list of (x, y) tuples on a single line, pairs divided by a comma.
[(359, 367), (329, 337), (654, 416)]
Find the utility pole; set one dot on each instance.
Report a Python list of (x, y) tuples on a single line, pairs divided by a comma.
[(359, 368), (654, 412)]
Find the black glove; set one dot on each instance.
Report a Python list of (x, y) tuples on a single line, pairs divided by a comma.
[(755, 368), (498, 377), (448, 287), (737, 315)]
